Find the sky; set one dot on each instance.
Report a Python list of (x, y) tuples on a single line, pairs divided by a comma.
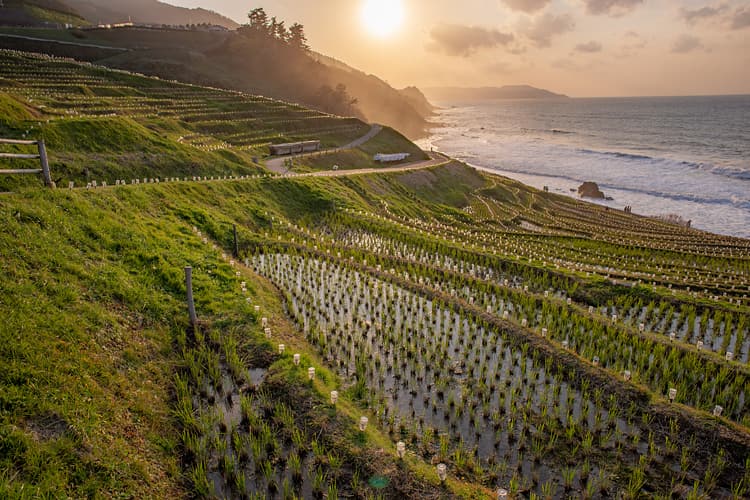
[(582, 48)]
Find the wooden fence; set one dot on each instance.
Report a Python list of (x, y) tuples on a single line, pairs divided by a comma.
[(41, 156)]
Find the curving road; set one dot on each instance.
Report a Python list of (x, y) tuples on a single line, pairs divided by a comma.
[(436, 160)]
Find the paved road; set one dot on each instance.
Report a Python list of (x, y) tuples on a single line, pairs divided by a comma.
[(436, 160), (276, 164)]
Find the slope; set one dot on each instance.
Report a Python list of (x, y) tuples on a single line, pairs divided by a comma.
[(231, 61), (526, 340), (46, 13), (147, 12), (95, 350), (105, 382), (107, 125)]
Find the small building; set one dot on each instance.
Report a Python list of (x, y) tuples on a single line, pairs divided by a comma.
[(294, 148), (388, 158)]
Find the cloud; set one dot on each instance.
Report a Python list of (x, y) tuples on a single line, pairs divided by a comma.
[(737, 20), (499, 68), (631, 45), (527, 5), (545, 27), (589, 47), (460, 40), (686, 43), (571, 65), (695, 15), (613, 8), (634, 40), (741, 19)]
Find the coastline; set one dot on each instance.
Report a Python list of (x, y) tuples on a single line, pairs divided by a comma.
[(707, 183), (559, 186)]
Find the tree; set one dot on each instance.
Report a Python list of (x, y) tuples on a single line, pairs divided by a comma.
[(344, 102), (259, 22), (297, 38), (335, 101), (278, 30)]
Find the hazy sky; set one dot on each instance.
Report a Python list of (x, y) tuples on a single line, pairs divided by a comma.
[(577, 47)]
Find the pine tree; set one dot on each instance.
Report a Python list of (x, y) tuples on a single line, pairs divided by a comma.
[(278, 30), (259, 21), (297, 37)]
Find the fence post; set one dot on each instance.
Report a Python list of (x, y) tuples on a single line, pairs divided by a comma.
[(191, 304), (236, 245), (45, 164)]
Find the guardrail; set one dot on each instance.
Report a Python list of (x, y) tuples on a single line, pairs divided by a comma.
[(41, 156)]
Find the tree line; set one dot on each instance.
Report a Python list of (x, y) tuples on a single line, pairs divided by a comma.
[(264, 29), (269, 28)]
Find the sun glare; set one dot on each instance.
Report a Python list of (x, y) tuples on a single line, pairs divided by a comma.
[(382, 17)]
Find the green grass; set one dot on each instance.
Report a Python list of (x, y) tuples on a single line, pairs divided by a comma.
[(11, 110), (104, 125), (94, 326), (449, 187), (92, 303), (53, 16), (391, 141), (93, 313), (387, 141), (108, 149)]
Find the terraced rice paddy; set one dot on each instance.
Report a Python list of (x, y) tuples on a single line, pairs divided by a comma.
[(518, 341), (483, 348), (206, 118)]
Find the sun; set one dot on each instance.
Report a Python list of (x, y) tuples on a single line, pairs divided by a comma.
[(382, 17)]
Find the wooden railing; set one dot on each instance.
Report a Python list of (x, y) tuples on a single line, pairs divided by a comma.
[(41, 156)]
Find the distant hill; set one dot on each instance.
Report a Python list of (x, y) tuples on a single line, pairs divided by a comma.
[(490, 93), (146, 11), (38, 13), (418, 101), (406, 110)]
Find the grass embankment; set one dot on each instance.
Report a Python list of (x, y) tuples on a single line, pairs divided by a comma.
[(110, 149), (94, 334), (50, 11), (387, 141)]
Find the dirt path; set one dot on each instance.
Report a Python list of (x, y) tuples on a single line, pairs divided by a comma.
[(276, 164), (489, 208)]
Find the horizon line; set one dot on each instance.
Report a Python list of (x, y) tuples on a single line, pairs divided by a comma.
[(645, 96)]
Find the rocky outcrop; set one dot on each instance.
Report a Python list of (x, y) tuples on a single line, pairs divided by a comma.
[(590, 190)]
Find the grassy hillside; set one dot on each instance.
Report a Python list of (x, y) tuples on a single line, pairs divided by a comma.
[(104, 125), (50, 13), (525, 340), (147, 11), (94, 341), (230, 61), (387, 141), (107, 389)]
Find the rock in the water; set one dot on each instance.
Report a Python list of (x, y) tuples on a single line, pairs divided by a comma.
[(590, 190)]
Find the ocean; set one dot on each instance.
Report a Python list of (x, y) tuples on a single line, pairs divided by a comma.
[(688, 156)]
